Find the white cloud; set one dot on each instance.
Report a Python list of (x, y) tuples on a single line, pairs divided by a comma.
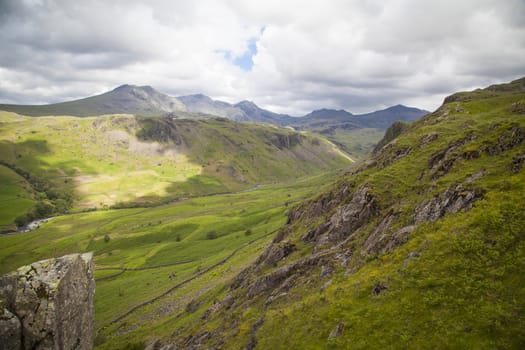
[(357, 55)]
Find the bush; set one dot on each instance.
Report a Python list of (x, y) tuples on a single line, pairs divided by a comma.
[(44, 209), (106, 238), (212, 235), (23, 220), (248, 232)]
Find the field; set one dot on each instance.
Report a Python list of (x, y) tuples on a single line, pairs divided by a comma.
[(15, 196)]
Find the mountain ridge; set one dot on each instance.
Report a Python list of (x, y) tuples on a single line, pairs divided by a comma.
[(123, 99)]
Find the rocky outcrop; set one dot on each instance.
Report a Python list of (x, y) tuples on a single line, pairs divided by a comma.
[(507, 140), (425, 140), (278, 279), (454, 199), (49, 304), (287, 141), (517, 163), (352, 215), (277, 252), (320, 205), (442, 161), (347, 218), (391, 153), (382, 240)]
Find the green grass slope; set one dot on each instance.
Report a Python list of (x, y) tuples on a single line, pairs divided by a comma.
[(119, 160), (422, 247)]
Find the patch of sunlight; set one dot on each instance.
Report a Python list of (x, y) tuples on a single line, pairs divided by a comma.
[(102, 190)]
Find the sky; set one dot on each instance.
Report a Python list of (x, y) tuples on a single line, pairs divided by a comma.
[(287, 56)]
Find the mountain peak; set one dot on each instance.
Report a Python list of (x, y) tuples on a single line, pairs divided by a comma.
[(246, 104), (128, 87), (196, 97)]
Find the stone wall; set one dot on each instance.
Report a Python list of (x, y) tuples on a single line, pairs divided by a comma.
[(48, 305)]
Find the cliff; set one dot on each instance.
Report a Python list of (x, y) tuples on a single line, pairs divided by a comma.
[(48, 304)]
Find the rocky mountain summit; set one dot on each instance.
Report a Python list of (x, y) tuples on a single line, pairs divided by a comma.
[(48, 305)]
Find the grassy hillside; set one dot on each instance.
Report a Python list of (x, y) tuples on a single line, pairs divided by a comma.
[(422, 247), (119, 160), (15, 197)]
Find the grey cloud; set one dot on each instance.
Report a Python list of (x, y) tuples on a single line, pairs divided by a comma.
[(357, 55)]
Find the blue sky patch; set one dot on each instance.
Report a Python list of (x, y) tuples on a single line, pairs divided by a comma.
[(245, 62)]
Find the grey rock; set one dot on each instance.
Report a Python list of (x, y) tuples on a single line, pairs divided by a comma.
[(413, 255), (474, 177), (517, 163), (379, 236), (509, 139), (53, 302), (10, 331), (277, 252), (454, 199), (400, 237), (326, 271), (337, 331), (351, 216), (280, 275), (425, 140)]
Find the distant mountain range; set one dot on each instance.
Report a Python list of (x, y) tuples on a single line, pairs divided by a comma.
[(146, 101)]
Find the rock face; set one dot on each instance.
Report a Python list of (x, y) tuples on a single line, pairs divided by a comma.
[(48, 305), (454, 199)]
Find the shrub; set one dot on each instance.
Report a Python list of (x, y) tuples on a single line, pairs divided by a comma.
[(248, 232), (212, 235), (106, 238), (22, 220)]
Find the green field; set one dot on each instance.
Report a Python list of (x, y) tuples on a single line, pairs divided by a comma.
[(15, 196)]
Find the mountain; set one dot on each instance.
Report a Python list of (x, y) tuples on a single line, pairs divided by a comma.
[(72, 163), (326, 121), (421, 246), (255, 114), (146, 101), (204, 105), (129, 99), (382, 119), (355, 134)]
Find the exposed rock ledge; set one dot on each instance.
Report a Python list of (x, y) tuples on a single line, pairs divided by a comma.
[(48, 304)]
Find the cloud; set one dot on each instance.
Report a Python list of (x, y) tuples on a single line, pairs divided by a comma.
[(357, 55)]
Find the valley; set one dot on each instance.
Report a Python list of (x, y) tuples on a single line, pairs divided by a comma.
[(212, 233), (176, 240)]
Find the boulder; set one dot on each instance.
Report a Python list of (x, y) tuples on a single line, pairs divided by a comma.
[(49, 304)]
